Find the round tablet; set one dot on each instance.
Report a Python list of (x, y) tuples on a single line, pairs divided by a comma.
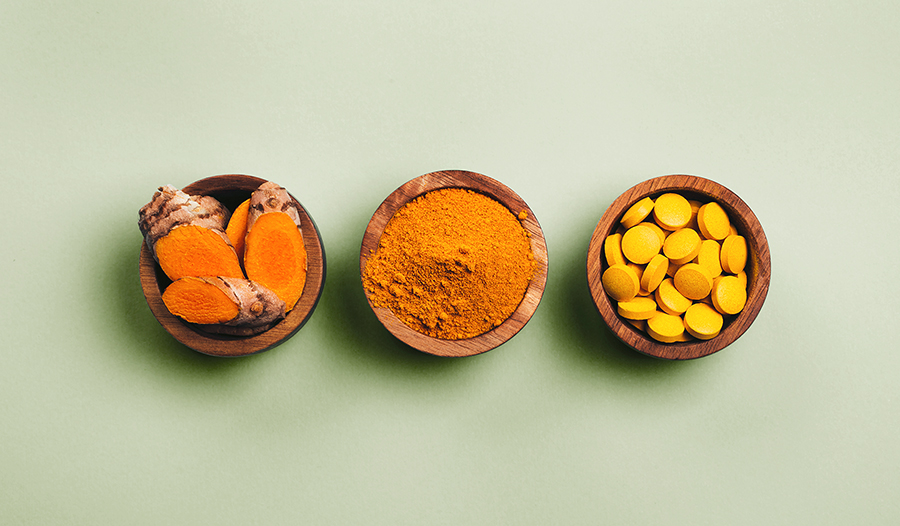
[(637, 212), (709, 257), (665, 328), (734, 254), (640, 243), (672, 211), (693, 281), (612, 249), (620, 282), (729, 295), (659, 231), (654, 272), (670, 300), (702, 321), (713, 221), (682, 246), (637, 309)]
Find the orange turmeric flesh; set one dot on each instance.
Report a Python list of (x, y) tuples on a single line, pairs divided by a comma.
[(197, 301), (275, 257), (237, 228), (192, 250)]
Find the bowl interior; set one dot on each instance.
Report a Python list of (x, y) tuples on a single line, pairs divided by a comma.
[(231, 190), (491, 188), (758, 265)]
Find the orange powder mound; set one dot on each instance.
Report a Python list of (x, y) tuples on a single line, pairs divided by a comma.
[(451, 264)]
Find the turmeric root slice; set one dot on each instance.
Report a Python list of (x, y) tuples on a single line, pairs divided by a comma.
[(196, 251), (237, 228), (186, 235), (274, 253), (224, 305)]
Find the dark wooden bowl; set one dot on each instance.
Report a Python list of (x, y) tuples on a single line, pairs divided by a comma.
[(491, 188), (232, 190), (758, 265)]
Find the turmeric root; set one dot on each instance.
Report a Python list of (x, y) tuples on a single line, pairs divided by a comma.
[(274, 254), (186, 235), (237, 228), (224, 305)]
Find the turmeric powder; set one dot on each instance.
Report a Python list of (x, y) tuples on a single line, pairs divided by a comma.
[(451, 264)]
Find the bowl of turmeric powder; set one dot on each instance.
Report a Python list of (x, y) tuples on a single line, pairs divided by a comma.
[(453, 263), (678, 267), (231, 265)]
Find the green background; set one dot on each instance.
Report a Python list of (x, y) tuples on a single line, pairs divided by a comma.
[(106, 419)]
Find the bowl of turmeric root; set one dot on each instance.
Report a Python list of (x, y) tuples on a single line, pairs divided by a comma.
[(231, 265)]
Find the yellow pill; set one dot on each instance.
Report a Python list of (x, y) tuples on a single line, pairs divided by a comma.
[(612, 248), (620, 282), (709, 257), (665, 328), (743, 277), (672, 211), (728, 295), (695, 207), (654, 273), (673, 268), (702, 321), (640, 325), (682, 246), (659, 231), (734, 254), (733, 231), (640, 243), (638, 270), (637, 308), (637, 212), (713, 221), (693, 281), (670, 300)]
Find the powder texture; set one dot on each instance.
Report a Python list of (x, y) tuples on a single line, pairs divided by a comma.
[(451, 264)]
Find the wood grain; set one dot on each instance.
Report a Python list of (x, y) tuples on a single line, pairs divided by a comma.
[(491, 188), (758, 270), (232, 190)]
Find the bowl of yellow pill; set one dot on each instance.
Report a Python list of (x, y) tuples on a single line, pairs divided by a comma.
[(678, 267)]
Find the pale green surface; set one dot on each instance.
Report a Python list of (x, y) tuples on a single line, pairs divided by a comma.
[(105, 419)]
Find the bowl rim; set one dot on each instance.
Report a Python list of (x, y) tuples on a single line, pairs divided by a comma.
[(494, 189), (758, 270), (233, 346)]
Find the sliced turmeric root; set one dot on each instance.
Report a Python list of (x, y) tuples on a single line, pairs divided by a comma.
[(196, 251), (186, 235), (274, 253), (224, 305), (237, 228)]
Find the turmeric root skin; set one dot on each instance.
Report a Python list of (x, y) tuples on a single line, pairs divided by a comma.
[(274, 253), (224, 305)]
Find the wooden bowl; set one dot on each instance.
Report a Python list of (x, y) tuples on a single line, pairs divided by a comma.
[(491, 188), (232, 190), (758, 265)]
